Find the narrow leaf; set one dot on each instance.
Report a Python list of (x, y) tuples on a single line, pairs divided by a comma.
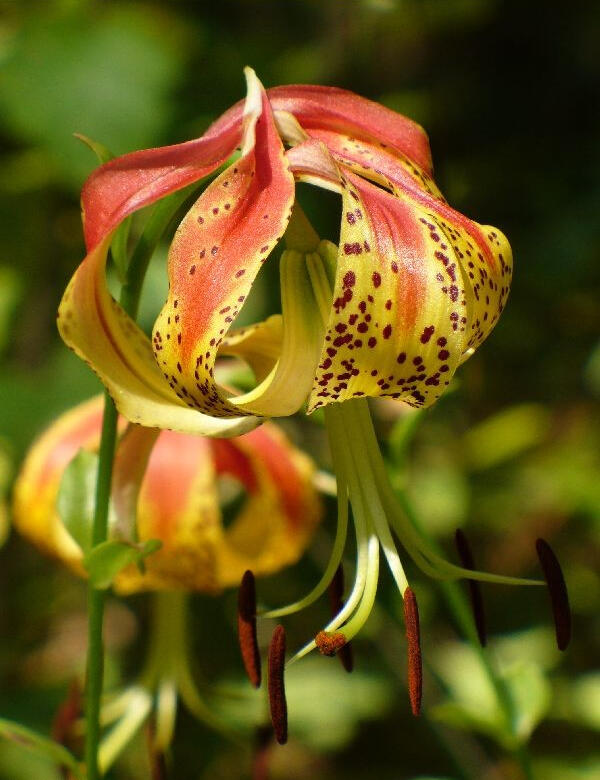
[(75, 502)]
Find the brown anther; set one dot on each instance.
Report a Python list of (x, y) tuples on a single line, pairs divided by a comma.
[(466, 556), (330, 644), (262, 748), (557, 588), (336, 600), (66, 715), (247, 628), (157, 759), (413, 638), (276, 685)]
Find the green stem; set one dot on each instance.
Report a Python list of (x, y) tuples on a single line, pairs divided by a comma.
[(96, 598), (158, 222)]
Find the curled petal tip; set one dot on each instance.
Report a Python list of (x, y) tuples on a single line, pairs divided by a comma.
[(557, 588)]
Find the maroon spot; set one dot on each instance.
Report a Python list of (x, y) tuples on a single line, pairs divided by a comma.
[(401, 357), (362, 327), (387, 331), (214, 250), (215, 210), (351, 218), (353, 249), (372, 341), (427, 334), (239, 273), (349, 279), (376, 279), (388, 305), (192, 270), (443, 354)]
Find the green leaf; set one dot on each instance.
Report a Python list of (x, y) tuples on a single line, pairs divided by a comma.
[(473, 705), (39, 744), (102, 152), (76, 497), (106, 560)]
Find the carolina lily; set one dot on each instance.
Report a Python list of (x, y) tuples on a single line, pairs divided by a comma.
[(411, 291), (184, 482)]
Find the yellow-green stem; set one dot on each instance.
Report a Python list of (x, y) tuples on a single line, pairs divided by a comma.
[(129, 299)]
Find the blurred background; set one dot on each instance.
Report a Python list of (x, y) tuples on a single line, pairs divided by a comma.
[(506, 91)]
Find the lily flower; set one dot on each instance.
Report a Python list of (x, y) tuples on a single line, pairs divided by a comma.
[(187, 482), (410, 291)]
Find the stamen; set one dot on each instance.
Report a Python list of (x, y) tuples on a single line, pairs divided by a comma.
[(260, 759), (413, 638), (336, 601), (276, 685), (466, 556), (158, 763), (247, 628), (334, 560), (557, 589), (330, 643), (66, 715)]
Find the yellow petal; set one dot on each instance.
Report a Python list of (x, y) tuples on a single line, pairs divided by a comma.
[(101, 333)]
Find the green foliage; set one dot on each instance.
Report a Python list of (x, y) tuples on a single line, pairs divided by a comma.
[(75, 502), (106, 560), (40, 745)]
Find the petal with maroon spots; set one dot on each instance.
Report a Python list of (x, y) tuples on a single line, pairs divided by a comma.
[(379, 163), (214, 258), (92, 323), (389, 332), (127, 183)]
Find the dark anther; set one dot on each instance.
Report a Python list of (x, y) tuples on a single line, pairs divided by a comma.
[(276, 685), (262, 748), (66, 715), (158, 762), (336, 600), (557, 589), (466, 557), (413, 637), (247, 628)]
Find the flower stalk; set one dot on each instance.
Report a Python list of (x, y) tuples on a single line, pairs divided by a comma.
[(129, 299)]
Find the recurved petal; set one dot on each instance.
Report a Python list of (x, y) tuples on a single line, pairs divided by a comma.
[(178, 504), (282, 508), (92, 323), (418, 287), (127, 183), (390, 329), (215, 257), (379, 163), (36, 487)]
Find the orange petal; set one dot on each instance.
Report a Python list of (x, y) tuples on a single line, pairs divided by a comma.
[(215, 257)]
